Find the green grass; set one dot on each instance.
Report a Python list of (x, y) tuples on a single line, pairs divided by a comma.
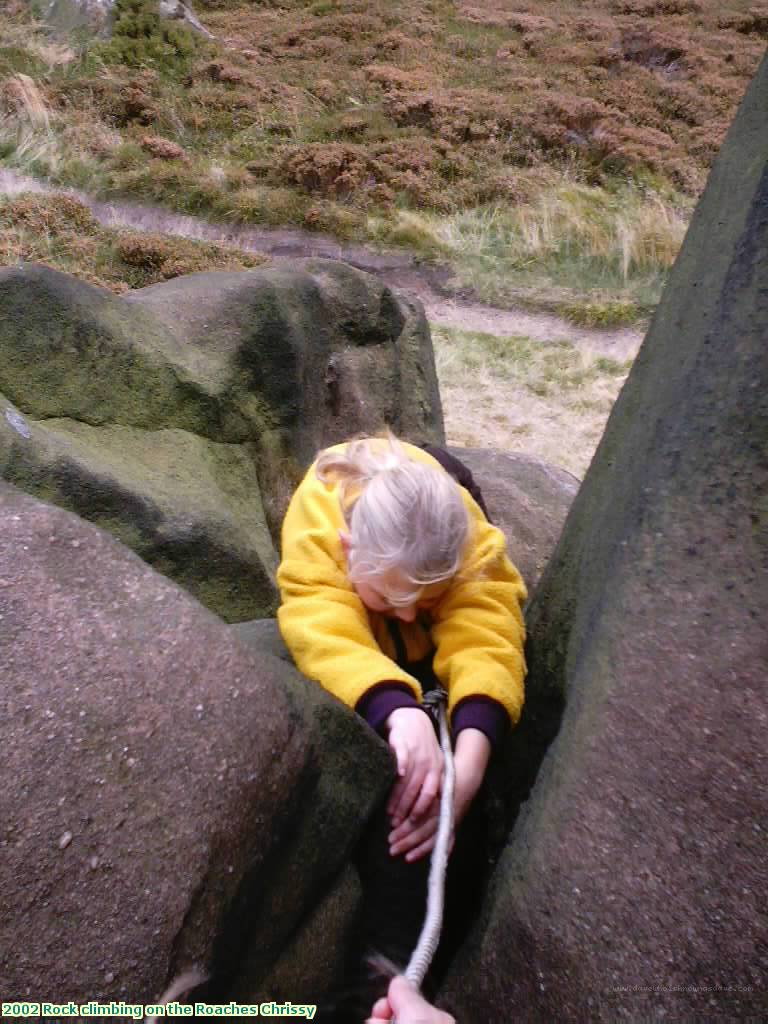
[(598, 257), (610, 313)]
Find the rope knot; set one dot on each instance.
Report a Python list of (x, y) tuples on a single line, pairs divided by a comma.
[(434, 701)]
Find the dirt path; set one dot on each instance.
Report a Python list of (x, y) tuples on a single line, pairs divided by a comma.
[(398, 268)]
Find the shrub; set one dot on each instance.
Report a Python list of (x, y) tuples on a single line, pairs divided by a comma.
[(60, 232), (165, 149), (161, 257), (47, 214), (330, 169), (121, 98), (140, 37)]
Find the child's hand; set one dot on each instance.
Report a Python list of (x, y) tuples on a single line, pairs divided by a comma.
[(414, 802), (415, 837)]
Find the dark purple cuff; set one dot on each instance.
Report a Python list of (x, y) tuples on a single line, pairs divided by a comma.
[(483, 713), (378, 703)]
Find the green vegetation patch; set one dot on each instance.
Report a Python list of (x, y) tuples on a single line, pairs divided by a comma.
[(539, 367), (616, 313), (19, 60), (141, 37)]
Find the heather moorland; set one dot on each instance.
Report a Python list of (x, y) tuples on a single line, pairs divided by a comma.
[(549, 153)]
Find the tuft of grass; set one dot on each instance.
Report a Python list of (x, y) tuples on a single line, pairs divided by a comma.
[(609, 235), (24, 98), (409, 229), (611, 313), (600, 256), (550, 400), (19, 60), (27, 136)]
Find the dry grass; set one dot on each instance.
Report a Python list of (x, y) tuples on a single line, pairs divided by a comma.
[(561, 237), (551, 401), (24, 99), (27, 122)]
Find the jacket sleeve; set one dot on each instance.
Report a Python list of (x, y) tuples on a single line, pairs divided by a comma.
[(321, 618), (478, 626)]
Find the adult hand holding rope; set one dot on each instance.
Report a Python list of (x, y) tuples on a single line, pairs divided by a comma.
[(409, 1007)]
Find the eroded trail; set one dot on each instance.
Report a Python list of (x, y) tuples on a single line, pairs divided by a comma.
[(398, 268)]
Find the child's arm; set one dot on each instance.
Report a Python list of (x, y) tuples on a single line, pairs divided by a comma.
[(479, 635), (470, 759)]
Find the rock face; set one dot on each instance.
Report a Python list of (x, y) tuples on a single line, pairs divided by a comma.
[(64, 16), (181, 418), (633, 885), (527, 499), (96, 16), (170, 797)]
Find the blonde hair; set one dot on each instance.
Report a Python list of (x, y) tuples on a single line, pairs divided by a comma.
[(402, 514)]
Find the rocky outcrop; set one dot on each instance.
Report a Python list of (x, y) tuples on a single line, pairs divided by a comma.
[(632, 885), (65, 16), (171, 797), (96, 16), (181, 418), (527, 499), (188, 506), (180, 11)]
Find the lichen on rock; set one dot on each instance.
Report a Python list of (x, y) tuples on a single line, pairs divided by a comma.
[(181, 417)]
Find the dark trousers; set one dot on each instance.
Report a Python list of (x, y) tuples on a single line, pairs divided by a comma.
[(392, 915), (394, 903), (395, 892)]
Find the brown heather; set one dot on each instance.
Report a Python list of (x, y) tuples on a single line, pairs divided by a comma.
[(47, 215), (61, 232), (162, 148), (332, 114)]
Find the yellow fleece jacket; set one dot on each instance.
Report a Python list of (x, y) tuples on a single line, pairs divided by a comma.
[(473, 622)]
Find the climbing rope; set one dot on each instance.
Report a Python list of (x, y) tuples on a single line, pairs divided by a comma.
[(429, 939), (179, 987)]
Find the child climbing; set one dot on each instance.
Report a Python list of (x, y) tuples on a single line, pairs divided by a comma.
[(394, 582)]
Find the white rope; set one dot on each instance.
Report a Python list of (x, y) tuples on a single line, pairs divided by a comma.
[(179, 987), (429, 939)]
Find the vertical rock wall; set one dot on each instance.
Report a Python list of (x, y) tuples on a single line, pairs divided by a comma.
[(633, 886)]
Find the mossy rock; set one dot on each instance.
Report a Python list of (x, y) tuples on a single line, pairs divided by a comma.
[(188, 506), (182, 416), (314, 352), (69, 349)]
